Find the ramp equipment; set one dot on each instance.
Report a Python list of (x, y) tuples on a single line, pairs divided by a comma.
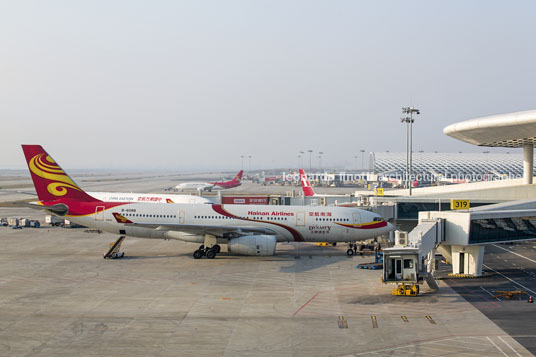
[(406, 290), (378, 262), (509, 294), (114, 251)]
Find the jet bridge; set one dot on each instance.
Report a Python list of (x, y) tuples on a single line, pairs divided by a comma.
[(460, 237), (412, 259)]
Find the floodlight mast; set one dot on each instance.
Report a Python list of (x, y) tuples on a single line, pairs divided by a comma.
[(408, 119)]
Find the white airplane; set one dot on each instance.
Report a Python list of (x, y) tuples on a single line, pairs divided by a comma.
[(248, 230), (208, 186), (147, 197)]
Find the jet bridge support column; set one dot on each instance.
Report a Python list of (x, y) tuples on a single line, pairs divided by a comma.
[(467, 260)]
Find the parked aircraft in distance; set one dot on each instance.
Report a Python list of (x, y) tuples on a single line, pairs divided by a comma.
[(246, 229), (308, 189), (309, 192), (147, 197), (141, 197), (208, 186)]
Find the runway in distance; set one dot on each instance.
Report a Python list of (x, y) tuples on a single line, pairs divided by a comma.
[(208, 186), (247, 229)]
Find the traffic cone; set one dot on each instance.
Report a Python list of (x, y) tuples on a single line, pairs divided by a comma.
[(531, 299)]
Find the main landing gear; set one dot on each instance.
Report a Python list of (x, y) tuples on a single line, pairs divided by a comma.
[(210, 253), (115, 249), (210, 249)]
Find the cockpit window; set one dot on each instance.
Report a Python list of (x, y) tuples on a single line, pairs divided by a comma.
[(377, 219)]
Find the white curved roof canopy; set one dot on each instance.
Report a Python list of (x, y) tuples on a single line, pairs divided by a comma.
[(505, 130)]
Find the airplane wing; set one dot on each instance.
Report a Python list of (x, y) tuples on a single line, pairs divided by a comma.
[(197, 229)]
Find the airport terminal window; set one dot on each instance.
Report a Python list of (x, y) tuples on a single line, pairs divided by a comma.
[(501, 229), (408, 263)]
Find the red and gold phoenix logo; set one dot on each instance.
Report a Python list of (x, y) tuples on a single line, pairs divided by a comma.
[(43, 166)]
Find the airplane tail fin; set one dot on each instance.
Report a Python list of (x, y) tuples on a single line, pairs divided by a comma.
[(238, 176), (306, 186), (50, 181)]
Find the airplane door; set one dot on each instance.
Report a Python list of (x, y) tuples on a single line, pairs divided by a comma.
[(99, 213), (356, 218), (181, 217), (300, 219)]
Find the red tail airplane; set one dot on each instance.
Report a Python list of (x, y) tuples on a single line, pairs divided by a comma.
[(246, 229), (235, 182)]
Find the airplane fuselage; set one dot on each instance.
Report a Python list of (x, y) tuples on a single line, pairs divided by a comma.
[(228, 184), (201, 186), (288, 223)]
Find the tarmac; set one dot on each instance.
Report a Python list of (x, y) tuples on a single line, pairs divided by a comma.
[(506, 268), (59, 297)]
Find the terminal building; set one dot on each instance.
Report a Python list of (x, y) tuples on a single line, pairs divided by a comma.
[(468, 166), (461, 235)]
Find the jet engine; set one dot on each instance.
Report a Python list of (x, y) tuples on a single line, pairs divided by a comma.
[(258, 244)]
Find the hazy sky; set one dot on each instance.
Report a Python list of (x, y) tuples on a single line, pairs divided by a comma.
[(195, 84)]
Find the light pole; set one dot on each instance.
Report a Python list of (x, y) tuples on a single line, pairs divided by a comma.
[(249, 157), (320, 153), (310, 162), (302, 154), (362, 159), (409, 140)]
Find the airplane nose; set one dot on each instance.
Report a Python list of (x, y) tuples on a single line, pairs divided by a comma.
[(389, 227)]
